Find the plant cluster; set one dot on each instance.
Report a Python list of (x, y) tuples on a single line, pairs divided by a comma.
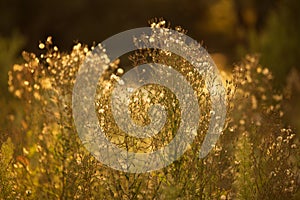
[(256, 157)]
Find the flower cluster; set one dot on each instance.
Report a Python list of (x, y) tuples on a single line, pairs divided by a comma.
[(256, 157)]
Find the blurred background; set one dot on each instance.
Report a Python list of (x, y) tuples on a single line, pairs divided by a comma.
[(229, 29)]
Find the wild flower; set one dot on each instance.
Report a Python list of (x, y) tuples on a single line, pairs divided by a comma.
[(255, 158)]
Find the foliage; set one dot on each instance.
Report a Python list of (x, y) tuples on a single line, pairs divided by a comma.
[(266, 153), (7, 176), (255, 158), (278, 40), (10, 48)]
